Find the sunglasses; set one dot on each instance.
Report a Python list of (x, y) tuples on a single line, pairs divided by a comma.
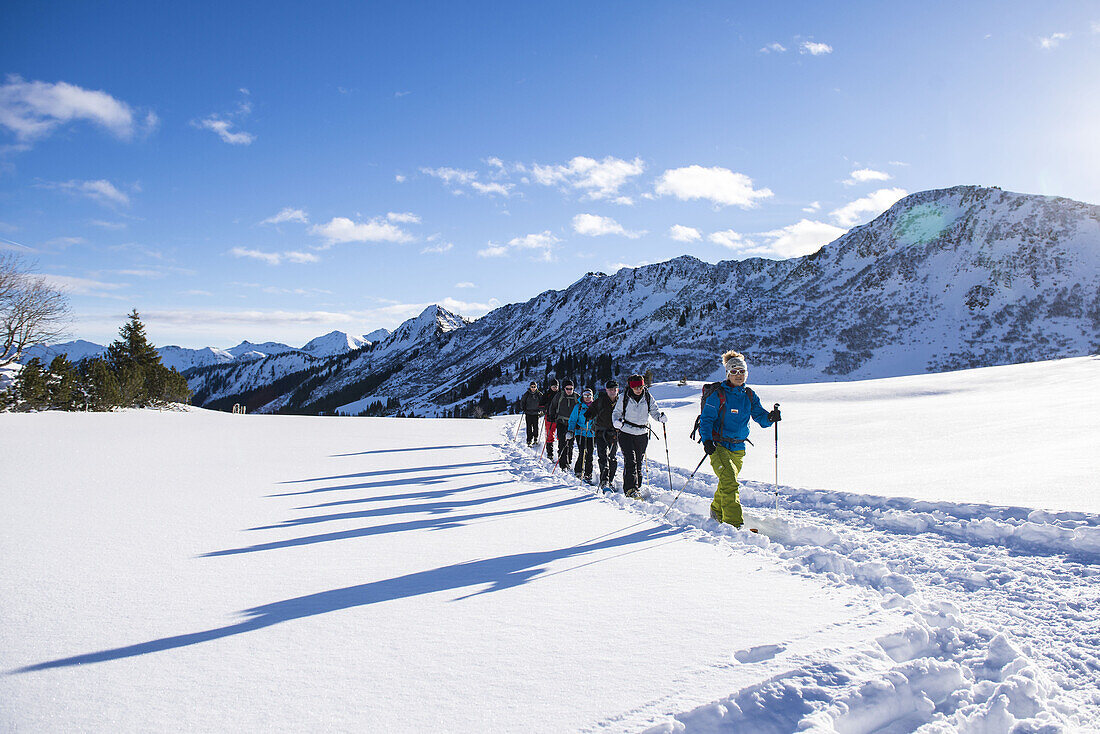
[(737, 371), (568, 388)]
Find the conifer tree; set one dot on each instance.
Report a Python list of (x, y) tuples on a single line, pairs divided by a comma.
[(132, 348), (30, 386), (61, 384)]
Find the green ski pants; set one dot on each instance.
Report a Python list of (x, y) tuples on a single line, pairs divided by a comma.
[(726, 506)]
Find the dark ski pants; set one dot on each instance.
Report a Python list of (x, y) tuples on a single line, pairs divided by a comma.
[(633, 459), (532, 428), (551, 429), (607, 451), (565, 447), (583, 467)]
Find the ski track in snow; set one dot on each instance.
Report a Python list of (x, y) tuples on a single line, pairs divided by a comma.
[(1004, 603)]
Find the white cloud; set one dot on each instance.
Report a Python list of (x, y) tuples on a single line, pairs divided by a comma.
[(100, 191), (223, 129), (680, 233), (1096, 26), (774, 47), (108, 225), (492, 188), (898, 163), (66, 241), (495, 162), (624, 200), (244, 318), (1052, 40), (814, 48), (222, 124), (493, 251), (593, 225), (196, 293), (465, 284), (873, 204), (403, 217), (598, 179), (437, 249), (399, 178), (342, 229), (275, 258), (32, 110), (863, 175), (813, 207), (451, 175), (732, 240), (801, 238), (288, 215), (82, 286), (720, 185)]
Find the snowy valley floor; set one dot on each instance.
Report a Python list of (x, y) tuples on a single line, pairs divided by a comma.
[(197, 570)]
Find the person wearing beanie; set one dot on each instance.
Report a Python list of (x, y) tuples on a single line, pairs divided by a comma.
[(724, 428), (580, 426), (530, 404), (562, 411), (607, 438), (631, 420), (551, 425)]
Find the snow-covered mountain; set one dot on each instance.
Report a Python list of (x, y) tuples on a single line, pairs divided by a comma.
[(182, 358), (376, 336), (267, 349), (945, 279), (74, 351), (332, 343)]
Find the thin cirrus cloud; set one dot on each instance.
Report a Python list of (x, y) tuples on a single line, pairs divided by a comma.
[(288, 214), (873, 204), (680, 233), (33, 110), (340, 230), (82, 286), (774, 47), (719, 185), (275, 258), (593, 225), (100, 191), (863, 175)]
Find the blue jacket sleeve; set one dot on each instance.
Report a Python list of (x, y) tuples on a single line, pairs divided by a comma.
[(708, 416), (758, 413), (575, 419)]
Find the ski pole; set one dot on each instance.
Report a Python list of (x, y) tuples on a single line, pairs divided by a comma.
[(776, 488), (690, 477), (668, 461)]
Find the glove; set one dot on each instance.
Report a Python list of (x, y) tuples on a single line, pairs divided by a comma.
[(774, 416), (709, 447), (664, 418), (569, 437)]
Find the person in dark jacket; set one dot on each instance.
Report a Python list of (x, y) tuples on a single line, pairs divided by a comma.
[(551, 425), (563, 410), (631, 419), (531, 406), (607, 438)]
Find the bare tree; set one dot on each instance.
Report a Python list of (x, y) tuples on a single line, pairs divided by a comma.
[(31, 311)]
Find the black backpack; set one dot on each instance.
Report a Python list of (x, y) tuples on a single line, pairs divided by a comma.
[(709, 388)]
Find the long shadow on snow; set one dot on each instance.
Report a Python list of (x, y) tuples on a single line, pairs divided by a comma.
[(387, 483), (433, 523), (425, 495), (434, 508), (415, 448), (503, 572), (386, 472)]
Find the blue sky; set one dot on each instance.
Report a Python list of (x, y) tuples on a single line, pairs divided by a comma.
[(273, 171)]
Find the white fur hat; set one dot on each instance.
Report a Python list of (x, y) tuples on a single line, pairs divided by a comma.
[(734, 360)]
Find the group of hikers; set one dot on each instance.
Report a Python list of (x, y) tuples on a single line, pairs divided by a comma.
[(605, 424)]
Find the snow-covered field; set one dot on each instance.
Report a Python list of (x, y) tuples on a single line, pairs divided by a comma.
[(204, 571)]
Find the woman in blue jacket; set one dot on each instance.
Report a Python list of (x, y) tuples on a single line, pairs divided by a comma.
[(580, 425), (724, 428)]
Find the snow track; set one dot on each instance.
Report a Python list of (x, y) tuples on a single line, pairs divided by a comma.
[(1004, 605)]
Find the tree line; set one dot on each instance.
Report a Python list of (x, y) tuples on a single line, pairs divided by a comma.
[(130, 375)]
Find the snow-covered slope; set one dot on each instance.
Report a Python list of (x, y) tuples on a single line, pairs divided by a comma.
[(945, 279), (376, 336), (262, 564), (268, 349), (182, 358)]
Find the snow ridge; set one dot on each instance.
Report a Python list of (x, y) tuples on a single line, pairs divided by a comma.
[(949, 671)]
